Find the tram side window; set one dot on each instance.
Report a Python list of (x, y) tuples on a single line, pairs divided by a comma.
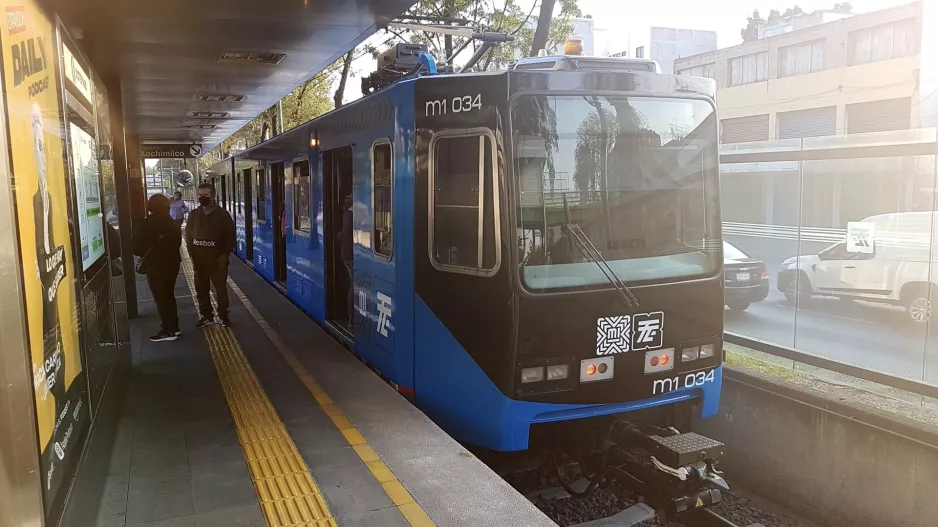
[(301, 219), (464, 227), (382, 200), (261, 209)]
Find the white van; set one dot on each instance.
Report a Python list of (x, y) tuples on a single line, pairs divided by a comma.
[(901, 269)]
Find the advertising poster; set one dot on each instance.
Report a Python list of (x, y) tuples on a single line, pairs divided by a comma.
[(42, 208), (88, 196)]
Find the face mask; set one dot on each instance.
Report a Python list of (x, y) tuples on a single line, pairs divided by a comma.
[(205, 202)]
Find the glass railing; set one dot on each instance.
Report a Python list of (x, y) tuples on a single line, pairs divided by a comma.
[(850, 245)]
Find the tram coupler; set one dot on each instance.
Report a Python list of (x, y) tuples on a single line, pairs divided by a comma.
[(679, 470)]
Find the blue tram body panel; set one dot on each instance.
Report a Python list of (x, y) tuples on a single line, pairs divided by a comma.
[(396, 328)]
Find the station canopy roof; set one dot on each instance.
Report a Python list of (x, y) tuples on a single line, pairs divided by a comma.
[(172, 55)]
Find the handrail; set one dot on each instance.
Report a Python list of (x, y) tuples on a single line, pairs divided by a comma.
[(867, 374)]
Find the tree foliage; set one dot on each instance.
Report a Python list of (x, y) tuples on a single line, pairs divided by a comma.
[(517, 17), (754, 21), (843, 7)]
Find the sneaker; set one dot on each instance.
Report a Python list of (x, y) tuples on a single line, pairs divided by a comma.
[(178, 333), (204, 323), (163, 336), (226, 322)]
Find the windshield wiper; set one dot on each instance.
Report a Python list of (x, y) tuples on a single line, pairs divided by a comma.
[(588, 249)]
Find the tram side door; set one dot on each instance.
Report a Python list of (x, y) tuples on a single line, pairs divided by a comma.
[(459, 262), (278, 186), (247, 196), (337, 186)]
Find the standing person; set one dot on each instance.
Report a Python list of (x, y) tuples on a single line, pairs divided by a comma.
[(159, 239), (178, 209), (210, 238)]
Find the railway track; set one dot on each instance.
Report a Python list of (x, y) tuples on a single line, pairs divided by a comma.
[(708, 518), (615, 505)]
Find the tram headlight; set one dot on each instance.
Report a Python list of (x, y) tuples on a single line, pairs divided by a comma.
[(557, 372), (691, 353), (707, 351), (532, 374)]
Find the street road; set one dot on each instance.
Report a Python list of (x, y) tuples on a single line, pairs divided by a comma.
[(863, 333)]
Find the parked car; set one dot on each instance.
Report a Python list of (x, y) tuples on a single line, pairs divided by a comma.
[(900, 270), (746, 279)]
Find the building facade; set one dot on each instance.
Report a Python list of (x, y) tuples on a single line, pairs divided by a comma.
[(853, 81), (670, 43), (853, 75)]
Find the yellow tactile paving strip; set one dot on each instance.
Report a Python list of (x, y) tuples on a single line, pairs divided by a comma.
[(287, 493), (399, 496)]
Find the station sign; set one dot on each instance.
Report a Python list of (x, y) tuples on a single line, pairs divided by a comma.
[(170, 151)]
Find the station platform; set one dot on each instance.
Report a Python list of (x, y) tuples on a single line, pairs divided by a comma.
[(272, 422)]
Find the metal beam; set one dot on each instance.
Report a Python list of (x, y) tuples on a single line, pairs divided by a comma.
[(842, 152), (455, 31)]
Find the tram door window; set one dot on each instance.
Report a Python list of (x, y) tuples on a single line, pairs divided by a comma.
[(337, 179), (277, 184), (248, 201), (261, 195), (463, 233), (382, 178)]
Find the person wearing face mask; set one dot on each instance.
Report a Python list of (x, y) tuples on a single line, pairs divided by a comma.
[(210, 238), (158, 242)]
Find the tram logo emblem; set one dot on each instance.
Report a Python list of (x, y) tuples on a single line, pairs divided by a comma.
[(624, 333), (648, 330), (612, 335), (384, 313)]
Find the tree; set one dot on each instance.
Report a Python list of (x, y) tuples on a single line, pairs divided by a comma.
[(515, 17), (539, 41), (843, 7), (346, 65), (753, 23)]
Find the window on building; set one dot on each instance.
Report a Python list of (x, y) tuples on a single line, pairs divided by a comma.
[(301, 216), (464, 230), (705, 70), (883, 42), (800, 59), (261, 195), (382, 201), (749, 68)]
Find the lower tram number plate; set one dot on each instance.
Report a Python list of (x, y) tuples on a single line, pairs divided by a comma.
[(690, 380)]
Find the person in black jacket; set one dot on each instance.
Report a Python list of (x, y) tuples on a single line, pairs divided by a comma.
[(160, 235), (210, 238)]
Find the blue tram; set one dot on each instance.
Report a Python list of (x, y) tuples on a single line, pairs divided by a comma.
[(531, 247)]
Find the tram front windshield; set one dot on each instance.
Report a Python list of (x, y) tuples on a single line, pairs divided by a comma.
[(634, 177)]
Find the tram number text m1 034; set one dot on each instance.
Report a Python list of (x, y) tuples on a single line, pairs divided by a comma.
[(691, 380), (461, 104)]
